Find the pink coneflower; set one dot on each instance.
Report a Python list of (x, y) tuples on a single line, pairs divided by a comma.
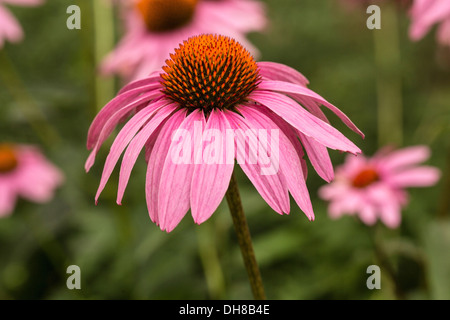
[(375, 187), (426, 13), (10, 29), (155, 27), (213, 81), (26, 173)]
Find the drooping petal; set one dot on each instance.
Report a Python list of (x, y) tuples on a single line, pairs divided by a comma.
[(292, 88), (290, 132), (136, 145), (281, 72), (303, 121), (110, 124), (288, 160), (120, 143), (126, 102), (177, 177), (213, 175), (319, 157), (272, 187), (156, 160)]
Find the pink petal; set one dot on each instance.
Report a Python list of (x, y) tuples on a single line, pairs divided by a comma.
[(391, 214), (289, 162), (272, 188), (136, 145), (290, 132), (423, 176), (9, 28), (303, 121), (113, 120), (158, 154), (214, 177), (126, 101), (151, 79), (7, 198), (402, 158), (319, 157), (123, 138), (281, 72), (175, 187), (291, 88)]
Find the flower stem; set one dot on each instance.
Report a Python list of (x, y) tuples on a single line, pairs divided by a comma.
[(245, 242)]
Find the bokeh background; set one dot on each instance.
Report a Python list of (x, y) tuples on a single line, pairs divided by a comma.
[(395, 90)]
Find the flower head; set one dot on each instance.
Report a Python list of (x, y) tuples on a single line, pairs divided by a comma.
[(426, 13), (155, 27), (210, 105), (9, 27), (25, 172), (375, 187)]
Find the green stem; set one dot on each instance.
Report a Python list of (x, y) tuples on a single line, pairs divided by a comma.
[(388, 78), (209, 257), (245, 242)]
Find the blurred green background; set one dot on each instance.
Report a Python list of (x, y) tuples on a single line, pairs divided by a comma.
[(50, 92)]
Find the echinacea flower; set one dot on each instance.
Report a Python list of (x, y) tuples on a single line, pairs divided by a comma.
[(427, 13), (153, 28), (25, 172), (10, 29), (212, 86), (374, 188)]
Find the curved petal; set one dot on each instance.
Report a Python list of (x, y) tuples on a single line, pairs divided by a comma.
[(126, 101), (272, 187), (156, 159), (213, 176), (319, 157), (281, 72), (292, 88), (136, 145), (113, 120), (303, 121), (123, 138), (289, 162), (175, 188)]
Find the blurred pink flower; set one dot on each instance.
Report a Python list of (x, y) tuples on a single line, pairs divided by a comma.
[(25, 172), (214, 81), (426, 13), (10, 28), (153, 28), (375, 187)]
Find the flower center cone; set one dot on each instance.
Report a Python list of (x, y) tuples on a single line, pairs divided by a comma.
[(166, 15), (365, 178), (210, 72), (8, 159)]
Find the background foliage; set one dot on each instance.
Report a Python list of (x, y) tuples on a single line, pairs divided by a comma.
[(50, 92)]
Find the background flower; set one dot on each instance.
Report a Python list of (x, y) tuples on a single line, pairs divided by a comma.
[(426, 13), (10, 28), (374, 188), (154, 27), (24, 172)]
